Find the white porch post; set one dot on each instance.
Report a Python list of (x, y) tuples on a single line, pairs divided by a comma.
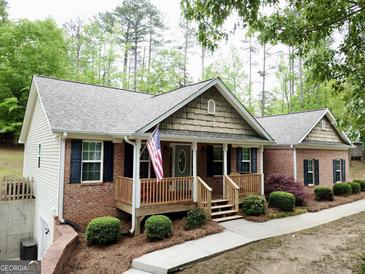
[(295, 163), (262, 169), (136, 170), (225, 152), (194, 147)]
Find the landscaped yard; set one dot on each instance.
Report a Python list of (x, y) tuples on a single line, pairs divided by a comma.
[(11, 161), (337, 247)]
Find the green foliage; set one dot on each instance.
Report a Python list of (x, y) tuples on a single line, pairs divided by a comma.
[(362, 184), (323, 194), (158, 227), (253, 205), (195, 218), (282, 200), (103, 230), (342, 189), (284, 214), (355, 187), (3, 11)]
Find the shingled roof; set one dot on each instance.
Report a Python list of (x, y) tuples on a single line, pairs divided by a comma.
[(292, 128)]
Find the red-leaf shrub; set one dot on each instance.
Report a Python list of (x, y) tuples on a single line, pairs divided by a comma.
[(287, 184)]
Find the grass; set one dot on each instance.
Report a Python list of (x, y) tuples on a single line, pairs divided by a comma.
[(11, 161), (283, 214)]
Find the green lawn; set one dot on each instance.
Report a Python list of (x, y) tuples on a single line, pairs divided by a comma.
[(11, 161)]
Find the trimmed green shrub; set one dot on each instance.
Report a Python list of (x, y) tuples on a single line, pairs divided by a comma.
[(362, 184), (323, 194), (158, 227), (355, 187), (103, 230), (284, 201), (253, 205), (195, 218), (342, 189)]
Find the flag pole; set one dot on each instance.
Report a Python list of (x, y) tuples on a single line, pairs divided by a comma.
[(145, 145)]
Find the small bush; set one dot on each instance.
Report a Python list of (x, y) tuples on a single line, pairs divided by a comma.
[(195, 218), (342, 189), (287, 184), (362, 184), (158, 227), (103, 230), (323, 194), (284, 201), (253, 205), (355, 187)]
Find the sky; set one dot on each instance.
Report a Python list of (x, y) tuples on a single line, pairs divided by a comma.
[(64, 10)]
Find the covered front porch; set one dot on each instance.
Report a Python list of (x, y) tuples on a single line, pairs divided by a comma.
[(212, 176)]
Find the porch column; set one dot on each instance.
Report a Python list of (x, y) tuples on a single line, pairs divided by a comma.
[(136, 175), (225, 164), (262, 169), (194, 147)]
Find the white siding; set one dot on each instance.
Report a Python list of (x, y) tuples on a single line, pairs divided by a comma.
[(45, 177)]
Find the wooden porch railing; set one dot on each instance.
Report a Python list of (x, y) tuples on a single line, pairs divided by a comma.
[(231, 191), (16, 189), (167, 191), (204, 196), (124, 189), (249, 183)]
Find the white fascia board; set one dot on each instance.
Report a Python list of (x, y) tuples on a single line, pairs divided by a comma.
[(323, 146)]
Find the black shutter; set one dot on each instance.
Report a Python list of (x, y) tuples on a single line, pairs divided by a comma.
[(128, 160), (108, 161), (305, 168), (76, 150), (229, 152), (210, 165), (343, 170), (239, 159), (316, 172), (334, 171), (253, 160)]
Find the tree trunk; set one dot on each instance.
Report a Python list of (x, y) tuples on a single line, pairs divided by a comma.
[(301, 86), (186, 49), (149, 57), (250, 76), (135, 62), (263, 99), (203, 61)]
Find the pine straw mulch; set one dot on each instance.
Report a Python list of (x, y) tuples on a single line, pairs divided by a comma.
[(116, 258)]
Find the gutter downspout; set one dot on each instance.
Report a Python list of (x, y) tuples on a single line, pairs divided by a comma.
[(134, 183), (294, 162), (61, 177)]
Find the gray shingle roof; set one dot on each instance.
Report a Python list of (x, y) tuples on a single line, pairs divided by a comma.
[(78, 107), (289, 129)]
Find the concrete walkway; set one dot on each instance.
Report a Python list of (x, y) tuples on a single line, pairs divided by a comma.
[(236, 233)]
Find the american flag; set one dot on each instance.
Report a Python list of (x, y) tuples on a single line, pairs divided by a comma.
[(154, 149)]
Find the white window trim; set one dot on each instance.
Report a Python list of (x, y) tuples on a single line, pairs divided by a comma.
[(311, 171), (101, 161), (218, 161), (339, 170), (211, 101), (149, 165), (247, 161)]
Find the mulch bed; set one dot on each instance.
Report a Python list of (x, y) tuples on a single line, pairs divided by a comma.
[(272, 213), (116, 258)]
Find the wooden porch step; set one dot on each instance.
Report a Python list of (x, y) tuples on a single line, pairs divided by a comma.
[(219, 201), (229, 218), (221, 206), (224, 212)]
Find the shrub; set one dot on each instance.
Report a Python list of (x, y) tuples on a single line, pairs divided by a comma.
[(323, 194), (195, 218), (284, 201), (253, 205), (287, 184), (362, 184), (158, 227), (103, 230), (355, 187), (342, 189)]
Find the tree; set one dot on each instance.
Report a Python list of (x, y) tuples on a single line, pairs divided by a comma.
[(27, 48), (189, 35), (3, 11)]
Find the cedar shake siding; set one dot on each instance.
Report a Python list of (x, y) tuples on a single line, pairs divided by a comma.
[(323, 132), (194, 117), (278, 161)]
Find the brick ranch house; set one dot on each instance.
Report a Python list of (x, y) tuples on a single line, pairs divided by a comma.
[(84, 150), (309, 147)]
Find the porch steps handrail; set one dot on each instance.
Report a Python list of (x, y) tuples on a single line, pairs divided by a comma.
[(231, 191), (204, 197), (249, 183)]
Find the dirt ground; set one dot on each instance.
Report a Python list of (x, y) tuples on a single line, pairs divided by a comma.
[(116, 258), (337, 247)]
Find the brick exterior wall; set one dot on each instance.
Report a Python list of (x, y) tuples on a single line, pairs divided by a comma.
[(325, 158), (83, 201), (278, 161)]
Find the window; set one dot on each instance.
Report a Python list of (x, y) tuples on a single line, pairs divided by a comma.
[(92, 161), (246, 160), (211, 107), (310, 179), (338, 170), (217, 160), (39, 155), (146, 168)]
